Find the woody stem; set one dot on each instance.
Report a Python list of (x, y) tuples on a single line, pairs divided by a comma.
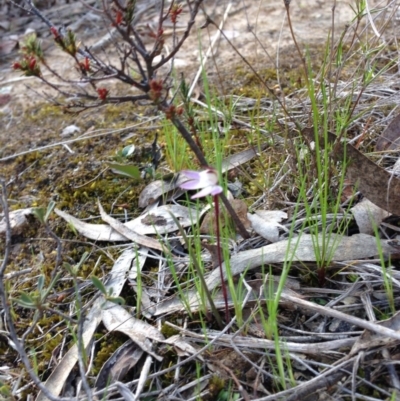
[(200, 157)]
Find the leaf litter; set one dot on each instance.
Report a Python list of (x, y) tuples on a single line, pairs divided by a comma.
[(116, 281), (357, 253), (270, 225), (147, 229), (301, 249)]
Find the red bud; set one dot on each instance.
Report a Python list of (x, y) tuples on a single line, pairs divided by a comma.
[(32, 63), (176, 9), (55, 32), (17, 66), (85, 64), (102, 92), (118, 18)]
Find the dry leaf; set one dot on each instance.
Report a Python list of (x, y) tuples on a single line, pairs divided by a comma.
[(7, 45), (302, 248), (152, 192), (359, 246), (375, 183), (119, 364), (368, 216), (128, 233), (182, 347), (390, 137), (56, 381), (102, 232), (59, 375), (70, 130), (384, 330), (208, 226), (370, 339), (175, 304), (4, 99), (267, 223), (117, 318), (213, 249), (240, 158), (347, 191), (18, 221)]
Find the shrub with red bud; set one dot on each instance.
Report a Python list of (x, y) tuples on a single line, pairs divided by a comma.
[(119, 18), (32, 63), (85, 64), (28, 65), (71, 46), (172, 111), (159, 37), (176, 9), (160, 42), (33, 67), (67, 43), (103, 93), (55, 32), (16, 66), (31, 46), (57, 37), (130, 11), (156, 87), (155, 35)]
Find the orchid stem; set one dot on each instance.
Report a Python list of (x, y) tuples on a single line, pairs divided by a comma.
[(223, 284)]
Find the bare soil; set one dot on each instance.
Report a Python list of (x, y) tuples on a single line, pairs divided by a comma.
[(257, 30)]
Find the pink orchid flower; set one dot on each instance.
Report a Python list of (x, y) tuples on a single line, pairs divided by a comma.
[(206, 180)]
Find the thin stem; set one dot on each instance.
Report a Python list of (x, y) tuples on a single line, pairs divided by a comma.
[(223, 284), (199, 273), (81, 344), (287, 6)]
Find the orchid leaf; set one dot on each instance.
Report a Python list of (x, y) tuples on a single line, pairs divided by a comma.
[(127, 170)]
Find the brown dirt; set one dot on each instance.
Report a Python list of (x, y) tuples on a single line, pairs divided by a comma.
[(28, 123), (312, 22)]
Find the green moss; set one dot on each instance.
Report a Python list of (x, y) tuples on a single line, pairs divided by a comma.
[(105, 348), (168, 331), (43, 112), (74, 181), (215, 386)]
